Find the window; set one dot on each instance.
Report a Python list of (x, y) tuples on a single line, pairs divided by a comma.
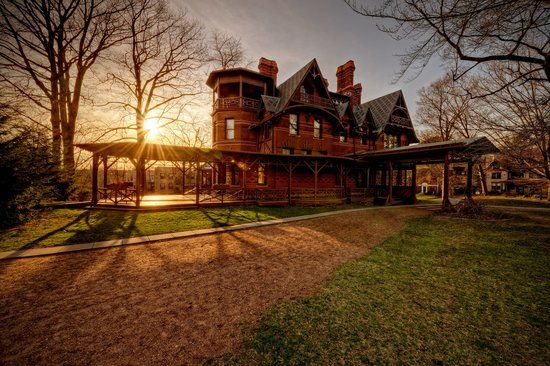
[(496, 175), (230, 129), (342, 136), (161, 175), (287, 151), (162, 186), (317, 128), (364, 140), (170, 185), (322, 152), (306, 152), (294, 125), (234, 175), (261, 174), (391, 141)]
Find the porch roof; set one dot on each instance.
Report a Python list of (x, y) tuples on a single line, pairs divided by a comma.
[(162, 152), (460, 150)]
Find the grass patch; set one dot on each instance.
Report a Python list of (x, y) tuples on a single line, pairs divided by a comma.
[(443, 291), (425, 199), (512, 201), (72, 226)]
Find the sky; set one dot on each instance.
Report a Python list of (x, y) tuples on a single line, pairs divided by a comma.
[(292, 32)]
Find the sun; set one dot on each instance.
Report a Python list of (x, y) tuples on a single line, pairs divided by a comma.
[(151, 127)]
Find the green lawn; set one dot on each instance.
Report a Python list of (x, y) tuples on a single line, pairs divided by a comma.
[(512, 201), (444, 291), (490, 201), (71, 226)]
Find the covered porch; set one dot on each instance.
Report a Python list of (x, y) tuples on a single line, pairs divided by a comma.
[(390, 169), (208, 177)]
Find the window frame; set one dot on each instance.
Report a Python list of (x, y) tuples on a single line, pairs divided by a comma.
[(228, 130), (317, 128), (262, 174), (293, 128)]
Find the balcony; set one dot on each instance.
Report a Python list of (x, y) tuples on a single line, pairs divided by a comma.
[(236, 103), (312, 99), (400, 120)]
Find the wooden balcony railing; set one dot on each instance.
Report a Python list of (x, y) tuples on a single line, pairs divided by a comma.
[(399, 120), (236, 102), (312, 99)]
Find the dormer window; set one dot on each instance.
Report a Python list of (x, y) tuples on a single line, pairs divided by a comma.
[(391, 141), (230, 129), (342, 136), (294, 125)]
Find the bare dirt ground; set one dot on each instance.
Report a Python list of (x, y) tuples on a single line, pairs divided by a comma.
[(176, 302)]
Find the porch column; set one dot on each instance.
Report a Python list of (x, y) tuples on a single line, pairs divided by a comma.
[(367, 177), (183, 178), (413, 182), (197, 184), (290, 183), (244, 181), (315, 173), (95, 167), (140, 171), (446, 203), (469, 180), (389, 175), (105, 170)]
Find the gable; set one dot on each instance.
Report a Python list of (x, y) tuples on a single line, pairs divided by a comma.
[(303, 83)]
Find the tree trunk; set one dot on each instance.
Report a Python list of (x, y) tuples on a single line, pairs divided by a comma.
[(483, 179), (56, 137), (140, 127)]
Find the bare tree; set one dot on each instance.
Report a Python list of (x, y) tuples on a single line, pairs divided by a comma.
[(444, 108), (447, 111), (468, 33), (226, 51), (157, 74), (46, 50), (517, 118)]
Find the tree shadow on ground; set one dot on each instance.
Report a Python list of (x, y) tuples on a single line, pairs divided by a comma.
[(90, 227)]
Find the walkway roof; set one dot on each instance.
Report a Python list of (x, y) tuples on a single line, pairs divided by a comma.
[(161, 152), (434, 152)]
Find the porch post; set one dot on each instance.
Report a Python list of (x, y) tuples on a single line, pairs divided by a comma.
[(315, 173), (413, 182), (197, 184), (105, 169), (446, 203), (139, 180), (244, 182), (469, 181), (183, 178), (290, 183), (389, 175), (367, 177), (95, 167)]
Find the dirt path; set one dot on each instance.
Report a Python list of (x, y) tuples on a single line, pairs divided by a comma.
[(176, 302)]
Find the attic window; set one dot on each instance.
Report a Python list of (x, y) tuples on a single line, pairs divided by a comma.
[(342, 136)]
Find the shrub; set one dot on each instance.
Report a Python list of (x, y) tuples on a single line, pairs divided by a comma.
[(27, 173)]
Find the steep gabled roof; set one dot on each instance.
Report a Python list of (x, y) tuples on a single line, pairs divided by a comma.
[(381, 108), (289, 86), (341, 108), (271, 104)]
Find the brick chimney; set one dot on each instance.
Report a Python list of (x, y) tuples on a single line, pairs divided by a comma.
[(344, 82), (268, 68)]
